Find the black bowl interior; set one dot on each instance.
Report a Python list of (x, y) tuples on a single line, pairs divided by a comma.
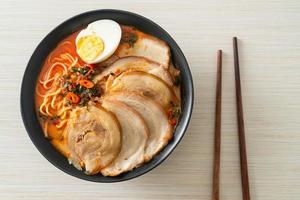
[(49, 42)]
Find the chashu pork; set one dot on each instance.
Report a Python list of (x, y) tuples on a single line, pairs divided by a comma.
[(137, 43), (155, 117), (93, 138), (134, 137), (146, 84), (138, 64)]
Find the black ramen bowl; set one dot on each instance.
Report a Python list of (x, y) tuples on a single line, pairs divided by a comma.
[(36, 61)]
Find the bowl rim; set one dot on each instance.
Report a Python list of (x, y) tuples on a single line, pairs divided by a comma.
[(184, 121)]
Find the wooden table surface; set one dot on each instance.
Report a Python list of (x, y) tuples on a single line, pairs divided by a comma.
[(269, 33)]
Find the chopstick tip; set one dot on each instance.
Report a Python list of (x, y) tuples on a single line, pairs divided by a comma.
[(234, 39)]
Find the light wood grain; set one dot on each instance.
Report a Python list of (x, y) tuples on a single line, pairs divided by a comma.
[(269, 33)]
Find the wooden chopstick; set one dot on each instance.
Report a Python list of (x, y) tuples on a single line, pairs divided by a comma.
[(217, 146), (240, 120)]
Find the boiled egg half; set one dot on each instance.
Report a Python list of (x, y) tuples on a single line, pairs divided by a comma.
[(98, 41)]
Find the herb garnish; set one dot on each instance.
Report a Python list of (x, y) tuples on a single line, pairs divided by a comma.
[(173, 115), (80, 70), (175, 112), (177, 80), (130, 38), (84, 89)]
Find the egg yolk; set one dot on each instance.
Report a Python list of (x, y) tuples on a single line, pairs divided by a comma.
[(90, 47)]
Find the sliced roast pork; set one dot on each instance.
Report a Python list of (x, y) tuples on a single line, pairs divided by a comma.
[(155, 117), (137, 43), (134, 137), (93, 137), (137, 64), (146, 84)]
